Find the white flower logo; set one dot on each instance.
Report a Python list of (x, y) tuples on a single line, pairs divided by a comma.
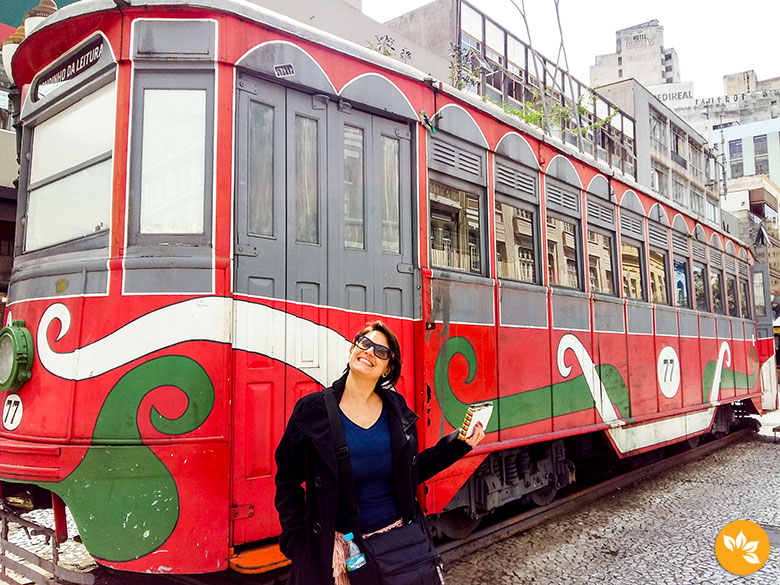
[(742, 545)]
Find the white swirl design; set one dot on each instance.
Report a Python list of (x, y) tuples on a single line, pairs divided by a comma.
[(724, 356), (250, 326), (571, 342)]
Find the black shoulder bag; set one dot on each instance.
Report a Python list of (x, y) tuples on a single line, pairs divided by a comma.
[(401, 556)]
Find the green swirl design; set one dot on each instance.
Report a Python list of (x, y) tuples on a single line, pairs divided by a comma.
[(122, 496), (730, 379), (524, 407)]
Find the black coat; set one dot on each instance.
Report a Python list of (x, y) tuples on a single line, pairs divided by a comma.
[(307, 483)]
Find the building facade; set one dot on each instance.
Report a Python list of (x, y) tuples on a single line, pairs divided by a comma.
[(639, 54), (672, 158)]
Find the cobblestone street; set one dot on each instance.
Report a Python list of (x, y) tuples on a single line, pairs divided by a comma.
[(659, 532)]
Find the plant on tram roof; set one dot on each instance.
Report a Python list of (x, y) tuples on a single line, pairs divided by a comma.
[(385, 45)]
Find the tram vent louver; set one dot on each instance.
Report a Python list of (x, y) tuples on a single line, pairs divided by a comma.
[(743, 270), (515, 180), (631, 225), (680, 244), (600, 213), (699, 252), (716, 258), (565, 199), (457, 158), (731, 265), (658, 236)]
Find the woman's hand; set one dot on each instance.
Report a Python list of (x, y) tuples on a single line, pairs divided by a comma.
[(476, 437)]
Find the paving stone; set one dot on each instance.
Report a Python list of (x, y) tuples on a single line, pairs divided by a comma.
[(660, 531)]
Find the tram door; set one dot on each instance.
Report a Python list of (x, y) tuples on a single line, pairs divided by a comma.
[(322, 223)]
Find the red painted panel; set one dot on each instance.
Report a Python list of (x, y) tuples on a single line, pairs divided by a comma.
[(641, 372), (691, 379), (666, 404)]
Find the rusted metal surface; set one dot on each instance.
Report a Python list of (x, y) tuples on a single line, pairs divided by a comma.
[(29, 565)]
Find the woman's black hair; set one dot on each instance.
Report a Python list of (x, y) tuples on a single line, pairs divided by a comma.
[(394, 366)]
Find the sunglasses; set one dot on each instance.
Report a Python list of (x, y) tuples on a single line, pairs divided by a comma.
[(380, 351)]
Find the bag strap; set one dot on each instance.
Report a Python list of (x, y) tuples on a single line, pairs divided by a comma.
[(349, 495)]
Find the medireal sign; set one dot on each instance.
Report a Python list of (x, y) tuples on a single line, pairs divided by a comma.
[(674, 95)]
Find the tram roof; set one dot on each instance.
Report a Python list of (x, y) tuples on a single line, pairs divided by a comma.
[(251, 11)]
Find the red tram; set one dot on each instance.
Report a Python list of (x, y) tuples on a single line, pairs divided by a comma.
[(212, 200)]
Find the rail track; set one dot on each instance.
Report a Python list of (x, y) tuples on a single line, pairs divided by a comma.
[(489, 534)]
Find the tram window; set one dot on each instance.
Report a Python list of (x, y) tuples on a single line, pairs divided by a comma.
[(515, 242), (716, 283), (682, 298), (658, 279), (354, 188), (173, 165), (562, 253), (391, 195), (600, 271), (69, 192), (745, 298), (633, 283), (261, 169), (731, 295), (700, 287), (307, 194), (455, 228), (759, 293)]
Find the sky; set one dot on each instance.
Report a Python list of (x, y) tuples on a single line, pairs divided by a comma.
[(712, 38)]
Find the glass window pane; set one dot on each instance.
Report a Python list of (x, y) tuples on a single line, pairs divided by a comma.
[(70, 208), (391, 195), (79, 133), (354, 188), (731, 295), (173, 179), (562, 253), (471, 21), (455, 219), (700, 288), (632, 271), (744, 298), (681, 283), (307, 224), (600, 263), (261, 169), (658, 277), (759, 294), (516, 257), (716, 281)]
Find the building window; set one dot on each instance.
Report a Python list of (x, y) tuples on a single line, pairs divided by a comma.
[(745, 298), (658, 131), (631, 256), (761, 155), (700, 287), (515, 242), (735, 149), (682, 299), (697, 202), (736, 169), (678, 190), (713, 212), (600, 270), (658, 286), (735, 158), (678, 147), (562, 253), (659, 179), (696, 158), (455, 228)]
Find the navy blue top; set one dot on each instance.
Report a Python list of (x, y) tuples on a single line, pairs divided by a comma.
[(372, 466)]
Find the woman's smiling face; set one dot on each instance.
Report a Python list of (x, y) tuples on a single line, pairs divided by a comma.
[(364, 362)]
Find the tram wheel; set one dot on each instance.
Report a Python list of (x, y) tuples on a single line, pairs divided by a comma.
[(457, 523), (544, 495)]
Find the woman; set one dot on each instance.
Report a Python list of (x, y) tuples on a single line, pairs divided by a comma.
[(382, 441)]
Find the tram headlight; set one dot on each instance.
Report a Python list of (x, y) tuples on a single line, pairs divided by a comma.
[(16, 356)]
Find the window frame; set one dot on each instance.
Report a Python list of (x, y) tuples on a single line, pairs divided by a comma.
[(157, 78), (596, 228), (534, 209), (461, 185), (667, 256), (43, 110), (707, 295), (573, 216), (640, 245)]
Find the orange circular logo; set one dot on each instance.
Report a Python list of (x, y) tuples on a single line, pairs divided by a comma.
[(742, 547)]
